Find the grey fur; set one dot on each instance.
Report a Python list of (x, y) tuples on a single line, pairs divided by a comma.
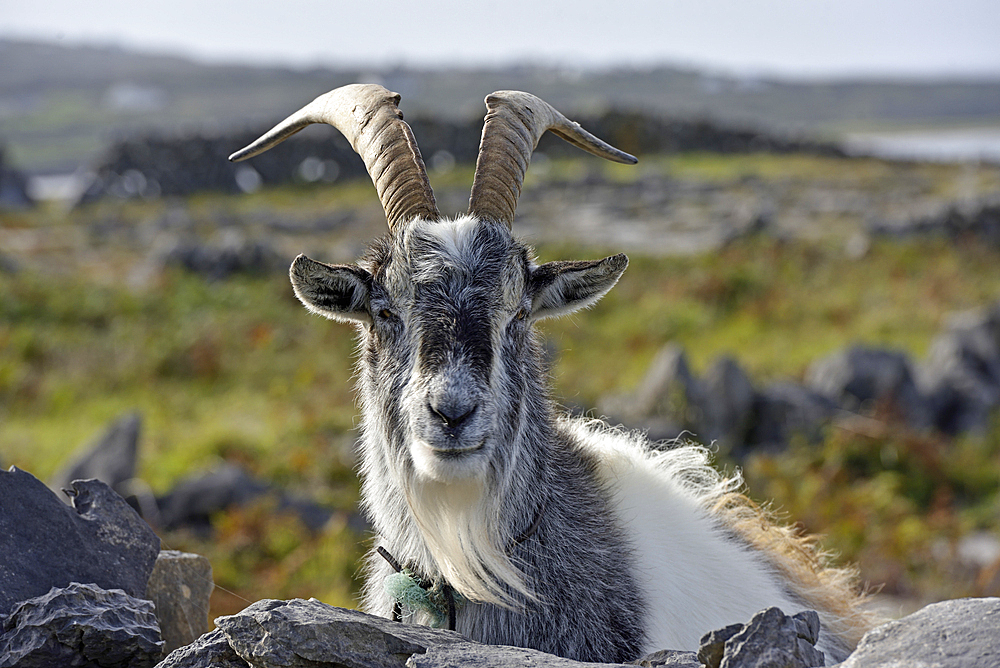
[(463, 449), (577, 562)]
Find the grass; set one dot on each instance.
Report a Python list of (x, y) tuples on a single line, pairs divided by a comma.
[(238, 371)]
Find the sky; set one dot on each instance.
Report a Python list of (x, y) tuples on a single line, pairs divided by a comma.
[(796, 38)]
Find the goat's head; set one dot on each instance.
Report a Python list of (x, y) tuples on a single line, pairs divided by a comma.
[(445, 306)]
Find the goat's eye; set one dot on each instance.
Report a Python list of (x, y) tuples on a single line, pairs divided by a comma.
[(386, 314), (522, 314)]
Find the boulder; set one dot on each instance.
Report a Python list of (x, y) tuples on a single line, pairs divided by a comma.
[(231, 255), (671, 659), (193, 501), (111, 458), (963, 633), (668, 401), (786, 409), (80, 625), (180, 587), (863, 379), (211, 649), (962, 372), (44, 543), (729, 399), (309, 633), (770, 638)]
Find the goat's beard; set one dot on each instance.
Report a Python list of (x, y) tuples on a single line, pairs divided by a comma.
[(460, 524)]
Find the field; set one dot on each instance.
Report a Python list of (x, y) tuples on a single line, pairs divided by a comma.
[(93, 325)]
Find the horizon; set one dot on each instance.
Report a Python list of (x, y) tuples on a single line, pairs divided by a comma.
[(526, 62), (758, 39)]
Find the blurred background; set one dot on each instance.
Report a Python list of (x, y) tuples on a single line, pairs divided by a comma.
[(814, 229)]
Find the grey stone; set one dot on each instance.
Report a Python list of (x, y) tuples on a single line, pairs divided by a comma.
[(294, 632), (962, 372), (309, 633), (230, 256), (862, 379), (729, 405), (211, 649), (770, 640), (668, 401), (46, 544), (786, 409), (713, 644), (474, 655), (193, 501), (180, 587), (671, 658), (111, 458), (81, 625), (669, 389), (963, 633)]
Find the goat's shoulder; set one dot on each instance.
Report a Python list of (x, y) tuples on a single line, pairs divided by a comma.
[(616, 453)]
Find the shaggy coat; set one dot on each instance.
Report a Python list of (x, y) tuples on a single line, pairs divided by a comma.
[(557, 533)]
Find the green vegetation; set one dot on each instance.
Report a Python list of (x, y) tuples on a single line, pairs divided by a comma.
[(238, 371)]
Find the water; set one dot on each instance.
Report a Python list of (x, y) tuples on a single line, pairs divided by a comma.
[(956, 145)]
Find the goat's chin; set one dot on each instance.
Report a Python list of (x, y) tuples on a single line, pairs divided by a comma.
[(451, 464)]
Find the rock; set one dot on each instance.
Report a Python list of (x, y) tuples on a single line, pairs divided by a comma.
[(962, 372), (180, 587), (231, 256), (963, 633), (211, 649), (81, 625), (669, 389), (713, 644), (110, 459), (671, 658), (668, 401), (786, 409), (861, 379), (304, 634), (729, 405), (45, 544), (193, 501), (771, 638)]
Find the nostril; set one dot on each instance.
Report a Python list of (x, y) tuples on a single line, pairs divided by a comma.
[(452, 415)]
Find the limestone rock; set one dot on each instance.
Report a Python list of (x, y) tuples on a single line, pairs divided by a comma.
[(770, 638), (963, 633), (211, 649), (862, 378), (46, 544), (304, 634), (111, 458), (670, 659), (81, 625), (180, 587), (730, 398)]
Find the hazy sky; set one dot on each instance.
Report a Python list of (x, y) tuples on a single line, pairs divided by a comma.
[(789, 37)]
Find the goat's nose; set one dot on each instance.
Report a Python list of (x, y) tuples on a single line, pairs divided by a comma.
[(452, 414)]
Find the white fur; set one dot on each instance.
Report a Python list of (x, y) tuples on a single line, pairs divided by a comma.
[(695, 576), (460, 528)]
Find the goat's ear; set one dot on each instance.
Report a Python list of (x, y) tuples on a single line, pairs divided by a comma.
[(563, 287), (335, 291)]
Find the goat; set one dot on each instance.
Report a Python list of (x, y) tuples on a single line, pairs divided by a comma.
[(520, 525)]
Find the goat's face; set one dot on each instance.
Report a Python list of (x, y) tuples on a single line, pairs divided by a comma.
[(449, 367), (448, 355)]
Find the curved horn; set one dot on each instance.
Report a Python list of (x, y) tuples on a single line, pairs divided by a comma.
[(515, 121), (368, 116)]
